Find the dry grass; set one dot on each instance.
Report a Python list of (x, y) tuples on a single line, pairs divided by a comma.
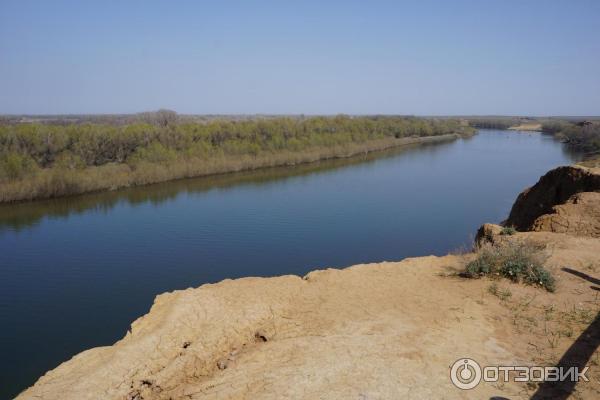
[(535, 127), (591, 162)]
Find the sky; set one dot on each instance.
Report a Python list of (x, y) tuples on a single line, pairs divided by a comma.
[(456, 57)]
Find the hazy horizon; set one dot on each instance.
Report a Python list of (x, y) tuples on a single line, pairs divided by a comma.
[(302, 114), (427, 58)]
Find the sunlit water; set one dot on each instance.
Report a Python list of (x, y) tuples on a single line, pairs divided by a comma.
[(75, 272)]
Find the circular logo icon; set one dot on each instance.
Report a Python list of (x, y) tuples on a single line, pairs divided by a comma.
[(465, 373)]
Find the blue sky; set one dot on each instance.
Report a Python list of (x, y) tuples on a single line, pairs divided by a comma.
[(313, 57)]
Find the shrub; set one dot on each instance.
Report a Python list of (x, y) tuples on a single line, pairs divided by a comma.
[(154, 153), (68, 160), (519, 262), (508, 230), (583, 136), (15, 166)]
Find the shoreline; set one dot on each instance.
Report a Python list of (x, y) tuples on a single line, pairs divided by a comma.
[(222, 340), (121, 176), (393, 327)]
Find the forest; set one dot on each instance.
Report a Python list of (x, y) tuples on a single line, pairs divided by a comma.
[(49, 159)]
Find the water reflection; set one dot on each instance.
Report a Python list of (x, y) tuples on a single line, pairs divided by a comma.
[(22, 216)]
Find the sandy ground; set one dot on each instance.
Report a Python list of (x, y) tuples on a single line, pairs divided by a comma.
[(380, 331)]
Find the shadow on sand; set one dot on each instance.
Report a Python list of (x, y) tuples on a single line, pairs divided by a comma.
[(578, 355)]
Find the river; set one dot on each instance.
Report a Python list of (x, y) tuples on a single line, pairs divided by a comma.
[(75, 272)]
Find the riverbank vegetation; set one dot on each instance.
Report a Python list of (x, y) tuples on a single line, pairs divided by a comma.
[(42, 160), (494, 122), (582, 134)]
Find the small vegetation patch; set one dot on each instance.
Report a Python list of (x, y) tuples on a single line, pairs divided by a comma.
[(508, 231), (519, 262), (502, 294)]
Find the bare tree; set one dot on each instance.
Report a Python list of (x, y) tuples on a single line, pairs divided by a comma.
[(161, 117)]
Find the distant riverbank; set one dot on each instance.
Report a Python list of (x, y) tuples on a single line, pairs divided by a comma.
[(579, 133), (47, 161), (55, 183)]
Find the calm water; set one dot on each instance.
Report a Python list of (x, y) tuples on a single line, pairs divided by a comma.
[(74, 273)]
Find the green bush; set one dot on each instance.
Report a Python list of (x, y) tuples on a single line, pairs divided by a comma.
[(508, 231), (164, 137), (154, 153), (519, 262), (15, 166)]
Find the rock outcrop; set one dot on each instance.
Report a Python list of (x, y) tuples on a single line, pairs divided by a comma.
[(488, 233), (554, 188), (579, 216)]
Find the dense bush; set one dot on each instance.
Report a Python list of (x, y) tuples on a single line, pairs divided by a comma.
[(555, 126), (40, 160), (519, 262), (14, 166), (155, 152), (165, 140), (583, 136)]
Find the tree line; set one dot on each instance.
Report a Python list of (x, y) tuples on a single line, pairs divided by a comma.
[(494, 122), (26, 147), (162, 145)]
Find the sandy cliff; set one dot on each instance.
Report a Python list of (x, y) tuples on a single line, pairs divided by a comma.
[(379, 331), (554, 188), (580, 215)]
